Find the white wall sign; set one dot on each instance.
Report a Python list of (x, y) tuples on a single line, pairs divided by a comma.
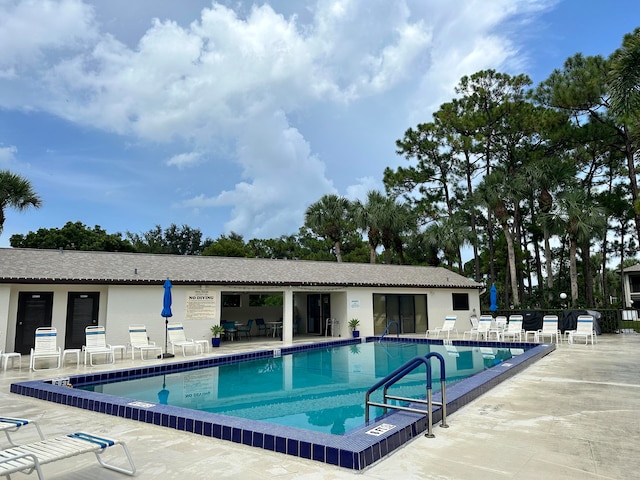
[(355, 303), (201, 305)]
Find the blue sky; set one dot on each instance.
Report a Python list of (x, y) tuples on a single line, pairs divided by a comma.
[(236, 115)]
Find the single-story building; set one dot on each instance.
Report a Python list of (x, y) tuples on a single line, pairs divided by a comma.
[(631, 287), (70, 290)]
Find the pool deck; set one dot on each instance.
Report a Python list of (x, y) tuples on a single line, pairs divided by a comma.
[(575, 414)]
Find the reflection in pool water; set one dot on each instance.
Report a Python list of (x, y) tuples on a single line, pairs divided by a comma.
[(320, 390)]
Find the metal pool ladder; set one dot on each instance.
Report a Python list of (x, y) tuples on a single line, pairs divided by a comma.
[(400, 373), (386, 330)]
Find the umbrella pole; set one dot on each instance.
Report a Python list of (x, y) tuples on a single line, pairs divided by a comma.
[(166, 342)]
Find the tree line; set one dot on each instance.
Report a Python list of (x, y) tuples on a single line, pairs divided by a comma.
[(538, 182)]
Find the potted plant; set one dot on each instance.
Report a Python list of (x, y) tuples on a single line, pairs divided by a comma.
[(353, 325), (216, 331)]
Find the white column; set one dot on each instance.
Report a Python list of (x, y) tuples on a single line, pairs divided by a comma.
[(287, 316)]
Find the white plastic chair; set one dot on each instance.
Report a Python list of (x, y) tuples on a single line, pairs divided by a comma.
[(96, 344), (335, 327), (177, 338), (474, 327), (501, 322), (139, 340), (514, 328), (448, 326), (46, 347), (584, 328), (484, 327), (549, 329)]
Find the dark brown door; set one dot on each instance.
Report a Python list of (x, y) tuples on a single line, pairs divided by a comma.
[(34, 310), (318, 310), (82, 311), (401, 310)]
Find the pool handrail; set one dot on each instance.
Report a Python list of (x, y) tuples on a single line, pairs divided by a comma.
[(400, 373), (387, 329)]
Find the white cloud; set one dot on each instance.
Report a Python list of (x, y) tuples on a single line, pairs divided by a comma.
[(282, 176), (7, 154), (360, 190), (183, 160), (243, 78), (29, 29)]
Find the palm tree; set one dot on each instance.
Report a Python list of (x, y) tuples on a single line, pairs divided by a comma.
[(15, 192), (582, 219), (502, 194), (624, 76), (329, 218), (368, 218)]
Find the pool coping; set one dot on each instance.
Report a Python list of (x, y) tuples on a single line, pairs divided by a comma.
[(356, 450)]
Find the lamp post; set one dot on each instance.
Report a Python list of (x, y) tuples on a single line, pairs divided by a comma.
[(563, 297)]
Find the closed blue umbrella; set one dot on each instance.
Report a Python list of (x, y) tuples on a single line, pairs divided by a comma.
[(493, 296), (166, 313), (166, 301)]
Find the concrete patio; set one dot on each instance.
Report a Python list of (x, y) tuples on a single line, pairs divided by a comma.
[(573, 415)]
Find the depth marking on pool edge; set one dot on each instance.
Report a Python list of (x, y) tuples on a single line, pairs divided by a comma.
[(380, 429), (142, 404)]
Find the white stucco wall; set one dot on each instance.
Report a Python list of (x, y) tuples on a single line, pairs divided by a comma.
[(124, 305), (128, 305)]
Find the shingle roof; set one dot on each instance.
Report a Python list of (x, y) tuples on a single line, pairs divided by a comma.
[(71, 266)]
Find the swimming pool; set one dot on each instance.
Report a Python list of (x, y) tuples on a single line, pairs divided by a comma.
[(356, 449), (322, 390)]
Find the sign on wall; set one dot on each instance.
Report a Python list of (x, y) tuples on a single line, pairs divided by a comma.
[(355, 303), (201, 305)]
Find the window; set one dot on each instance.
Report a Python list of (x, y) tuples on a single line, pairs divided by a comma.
[(265, 300), (230, 300), (460, 301)]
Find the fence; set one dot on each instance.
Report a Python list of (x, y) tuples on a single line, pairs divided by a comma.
[(611, 320)]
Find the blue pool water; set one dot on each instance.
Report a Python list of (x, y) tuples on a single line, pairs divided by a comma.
[(356, 449), (321, 390)]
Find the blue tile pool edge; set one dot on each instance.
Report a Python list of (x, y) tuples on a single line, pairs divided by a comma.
[(355, 450)]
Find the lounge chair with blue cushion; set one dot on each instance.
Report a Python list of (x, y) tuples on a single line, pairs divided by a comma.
[(514, 328), (177, 338), (31, 456), (139, 340), (11, 425), (96, 344), (46, 347), (448, 326), (584, 329), (549, 329)]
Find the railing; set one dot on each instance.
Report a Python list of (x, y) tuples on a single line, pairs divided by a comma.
[(400, 373), (610, 320), (387, 329)]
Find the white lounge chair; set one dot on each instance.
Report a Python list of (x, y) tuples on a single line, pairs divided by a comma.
[(139, 340), (474, 327), (514, 328), (96, 344), (177, 338), (46, 347), (584, 328), (549, 329), (10, 425), (448, 326), (484, 328), (31, 456), (332, 323)]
